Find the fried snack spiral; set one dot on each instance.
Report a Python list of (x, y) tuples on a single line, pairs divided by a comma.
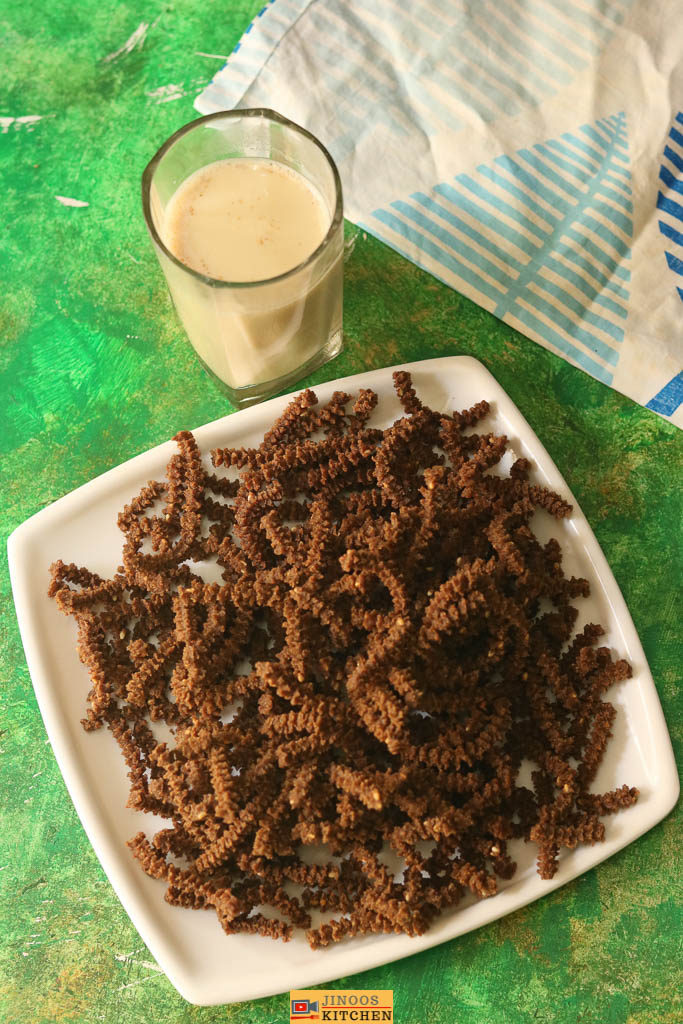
[(389, 642)]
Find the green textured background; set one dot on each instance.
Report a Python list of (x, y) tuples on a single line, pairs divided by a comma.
[(95, 369)]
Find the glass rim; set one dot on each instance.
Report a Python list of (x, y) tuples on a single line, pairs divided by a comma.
[(267, 114)]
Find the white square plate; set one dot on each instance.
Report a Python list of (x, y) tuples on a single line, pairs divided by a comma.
[(205, 965)]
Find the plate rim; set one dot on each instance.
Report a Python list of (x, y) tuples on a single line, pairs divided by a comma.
[(106, 847)]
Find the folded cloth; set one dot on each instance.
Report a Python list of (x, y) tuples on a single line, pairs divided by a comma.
[(529, 153)]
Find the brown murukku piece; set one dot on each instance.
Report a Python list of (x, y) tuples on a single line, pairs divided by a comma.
[(390, 641)]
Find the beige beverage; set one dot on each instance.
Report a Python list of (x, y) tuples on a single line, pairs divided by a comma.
[(243, 221)]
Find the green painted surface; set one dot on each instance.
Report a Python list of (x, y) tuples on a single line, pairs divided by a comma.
[(95, 369)]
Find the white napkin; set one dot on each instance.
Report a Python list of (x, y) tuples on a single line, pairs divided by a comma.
[(529, 153)]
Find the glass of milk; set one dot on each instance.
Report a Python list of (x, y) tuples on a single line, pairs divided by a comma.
[(245, 213)]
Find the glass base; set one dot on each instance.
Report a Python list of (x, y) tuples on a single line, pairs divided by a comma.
[(243, 397)]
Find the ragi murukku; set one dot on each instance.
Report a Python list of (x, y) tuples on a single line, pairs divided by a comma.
[(408, 643)]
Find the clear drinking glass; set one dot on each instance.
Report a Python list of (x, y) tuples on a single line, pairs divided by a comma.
[(254, 337)]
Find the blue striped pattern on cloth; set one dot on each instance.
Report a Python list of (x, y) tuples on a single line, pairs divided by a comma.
[(541, 238), (483, 142), (487, 58), (670, 203), (666, 401), (262, 36)]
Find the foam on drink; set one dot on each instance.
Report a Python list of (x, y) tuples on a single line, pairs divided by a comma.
[(245, 220)]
